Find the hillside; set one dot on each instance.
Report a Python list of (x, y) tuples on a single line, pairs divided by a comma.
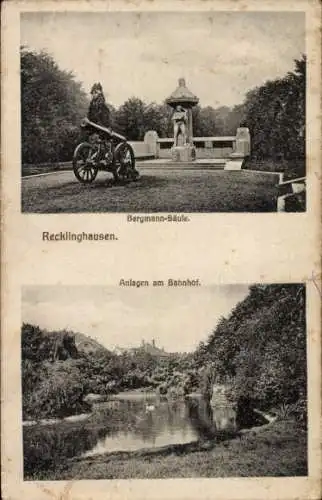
[(88, 345), (57, 345)]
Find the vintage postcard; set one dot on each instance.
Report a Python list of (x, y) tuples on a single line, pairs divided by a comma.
[(161, 267)]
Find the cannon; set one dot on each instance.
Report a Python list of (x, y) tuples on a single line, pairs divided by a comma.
[(104, 150)]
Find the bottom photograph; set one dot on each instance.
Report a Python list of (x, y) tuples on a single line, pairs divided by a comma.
[(151, 381)]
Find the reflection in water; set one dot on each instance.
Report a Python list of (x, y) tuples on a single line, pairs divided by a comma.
[(225, 418), (209, 419), (162, 424), (201, 418), (124, 425)]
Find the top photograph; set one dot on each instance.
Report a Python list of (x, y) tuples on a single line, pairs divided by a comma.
[(151, 112)]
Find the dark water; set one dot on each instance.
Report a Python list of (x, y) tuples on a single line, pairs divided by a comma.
[(152, 425), (125, 425)]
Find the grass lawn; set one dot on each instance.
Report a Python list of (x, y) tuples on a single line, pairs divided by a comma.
[(156, 191), (278, 449), (291, 168)]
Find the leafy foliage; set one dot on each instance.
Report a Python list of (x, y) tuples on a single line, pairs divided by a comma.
[(60, 389), (275, 115), (52, 105), (135, 117), (57, 375), (52, 380), (261, 347)]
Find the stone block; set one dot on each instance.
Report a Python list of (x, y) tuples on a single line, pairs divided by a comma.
[(234, 164), (242, 144), (150, 139), (183, 153)]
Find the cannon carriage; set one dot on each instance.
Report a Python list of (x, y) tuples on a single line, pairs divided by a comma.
[(104, 150)]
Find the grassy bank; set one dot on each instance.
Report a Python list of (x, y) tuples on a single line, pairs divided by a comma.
[(276, 449)]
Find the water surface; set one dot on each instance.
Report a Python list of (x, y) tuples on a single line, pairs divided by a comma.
[(126, 424)]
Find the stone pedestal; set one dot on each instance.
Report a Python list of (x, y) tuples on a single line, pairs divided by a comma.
[(151, 141), (185, 153), (242, 148)]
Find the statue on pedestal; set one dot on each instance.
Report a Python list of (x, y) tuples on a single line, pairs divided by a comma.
[(182, 102), (180, 119)]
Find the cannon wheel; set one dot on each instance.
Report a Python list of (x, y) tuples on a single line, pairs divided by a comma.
[(84, 163), (125, 163)]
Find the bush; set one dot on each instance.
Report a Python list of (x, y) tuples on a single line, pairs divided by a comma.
[(58, 393)]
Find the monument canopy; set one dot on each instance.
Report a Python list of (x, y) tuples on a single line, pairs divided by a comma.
[(182, 95)]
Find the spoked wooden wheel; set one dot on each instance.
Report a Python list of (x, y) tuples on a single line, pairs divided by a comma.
[(125, 163), (84, 163)]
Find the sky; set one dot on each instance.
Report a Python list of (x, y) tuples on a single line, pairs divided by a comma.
[(221, 55), (177, 318)]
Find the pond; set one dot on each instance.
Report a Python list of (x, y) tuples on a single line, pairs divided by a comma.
[(125, 424)]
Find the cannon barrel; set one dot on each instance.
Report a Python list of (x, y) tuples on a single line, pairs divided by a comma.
[(86, 122)]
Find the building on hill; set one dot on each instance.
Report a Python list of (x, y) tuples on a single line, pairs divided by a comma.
[(119, 350), (147, 347), (152, 349)]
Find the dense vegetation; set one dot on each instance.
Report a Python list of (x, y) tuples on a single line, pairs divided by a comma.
[(53, 104), (275, 115), (57, 376), (259, 351)]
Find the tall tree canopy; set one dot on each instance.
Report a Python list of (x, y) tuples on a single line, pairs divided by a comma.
[(275, 115), (135, 117), (261, 346), (52, 105)]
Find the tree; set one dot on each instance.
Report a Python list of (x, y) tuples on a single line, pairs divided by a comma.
[(158, 117), (32, 339), (52, 105), (129, 119), (275, 115), (235, 119), (61, 390), (261, 346)]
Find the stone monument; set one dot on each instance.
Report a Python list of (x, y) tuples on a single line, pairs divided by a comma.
[(182, 102), (242, 145)]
